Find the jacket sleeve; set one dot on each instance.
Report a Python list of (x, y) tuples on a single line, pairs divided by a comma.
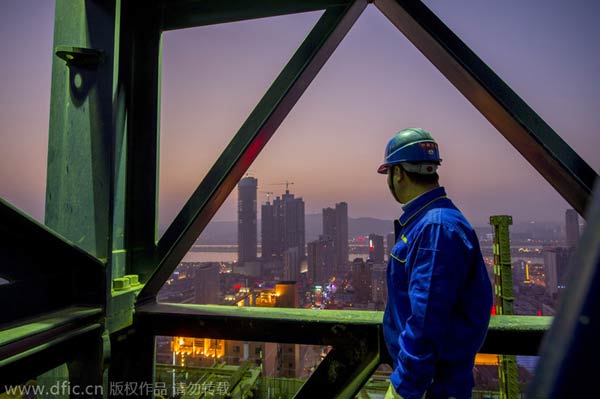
[(436, 269)]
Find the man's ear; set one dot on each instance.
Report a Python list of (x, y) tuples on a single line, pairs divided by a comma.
[(398, 173)]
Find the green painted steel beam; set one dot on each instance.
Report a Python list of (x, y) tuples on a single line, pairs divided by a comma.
[(255, 324), (508, 373), (570, 349), (503, 284), (138, 102), (526, 324), (45, 271), (521, 324), (132, 360), (238, 375), (516, 335), (179, 14), (40, 343), (507, 334), (539, 144), (42, 324), (249, 141), (356, 336), (345, 369), (80, 195), (313, 316), (79, 184), (66, 348)]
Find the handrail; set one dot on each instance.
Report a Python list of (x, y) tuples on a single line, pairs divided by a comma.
[(355, 336), (516, 335)]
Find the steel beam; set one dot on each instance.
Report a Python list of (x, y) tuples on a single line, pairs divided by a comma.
[(282, 325), (45, 272), (132, 362), (356, 336), (138, 100), (571, 346), (249, 141), (551, 156), (80, 181), (81, 140), (179, 14), (345, 369), (41, 343), (518, 335)]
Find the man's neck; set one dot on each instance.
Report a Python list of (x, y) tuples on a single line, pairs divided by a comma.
[(417, 191)]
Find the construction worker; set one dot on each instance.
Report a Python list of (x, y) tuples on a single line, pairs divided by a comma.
[(439, 293)]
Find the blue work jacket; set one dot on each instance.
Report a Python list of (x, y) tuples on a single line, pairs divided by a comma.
[(439, 300)]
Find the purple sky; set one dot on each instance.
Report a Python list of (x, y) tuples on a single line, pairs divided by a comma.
[(332, 142)]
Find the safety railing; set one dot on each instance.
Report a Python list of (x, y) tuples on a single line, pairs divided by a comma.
[(355, 336)]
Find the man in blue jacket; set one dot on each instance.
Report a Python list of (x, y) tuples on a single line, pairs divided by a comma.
[(439, 293)]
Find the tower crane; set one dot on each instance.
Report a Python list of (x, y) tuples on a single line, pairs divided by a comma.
[(287, 183), (269, 193)]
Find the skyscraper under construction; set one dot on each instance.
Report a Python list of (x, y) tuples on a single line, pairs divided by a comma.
[(247, 219), (283, 232), (335, 226)]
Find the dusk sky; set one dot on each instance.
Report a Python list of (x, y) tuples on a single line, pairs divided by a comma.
[(330, 145)]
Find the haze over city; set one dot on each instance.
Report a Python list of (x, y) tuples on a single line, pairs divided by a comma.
[(331, 143)]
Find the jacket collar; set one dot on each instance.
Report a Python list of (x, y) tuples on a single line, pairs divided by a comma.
[(421, 202)]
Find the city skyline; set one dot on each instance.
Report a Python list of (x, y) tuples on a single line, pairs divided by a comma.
[(335, 227), (137, 123), (247, 223), (339, 128)]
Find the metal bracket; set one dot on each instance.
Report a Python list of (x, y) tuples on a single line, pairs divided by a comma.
[(80, 57)]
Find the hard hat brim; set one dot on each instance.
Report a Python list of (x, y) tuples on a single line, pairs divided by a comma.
[(383, 169)]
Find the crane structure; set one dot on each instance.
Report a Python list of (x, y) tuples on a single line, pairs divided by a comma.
[(286, 183), (508, 372), (268, 193)]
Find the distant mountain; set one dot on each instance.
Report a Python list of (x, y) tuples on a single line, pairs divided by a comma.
[(226, 232), (216, 233), (357, 227), (365, 225)]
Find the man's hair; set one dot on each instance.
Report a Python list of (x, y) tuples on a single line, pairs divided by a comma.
[(421, 179)]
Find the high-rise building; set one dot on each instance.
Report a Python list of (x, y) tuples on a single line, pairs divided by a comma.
[(321, 260), (572, 227), (283, 230), (335, 226), (287, 294), (390, 242), (291, 264), (341, 220), (376, 250), (378, 282), (267, 225), (520, 273), (329, 225), (288, 358), (206, 284), (247, 219), (556, 262), (292, 222), (362, 280)]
